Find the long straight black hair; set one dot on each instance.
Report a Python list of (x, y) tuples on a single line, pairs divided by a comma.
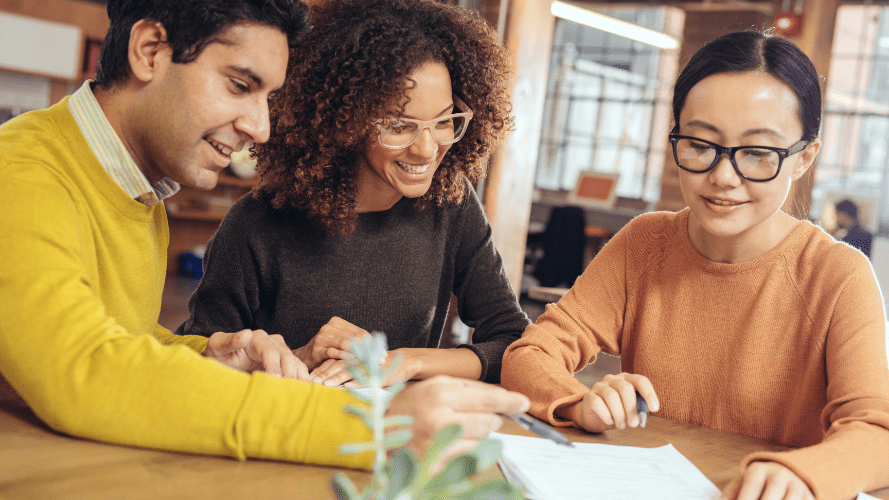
[(743, 51)]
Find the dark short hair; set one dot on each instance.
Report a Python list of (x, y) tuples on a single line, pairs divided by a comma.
[(742, 51), (849, 207), (191, 25), (353, 69)]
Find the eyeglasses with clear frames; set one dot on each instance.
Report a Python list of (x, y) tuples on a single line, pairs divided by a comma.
[(402, 132), (754, 163)]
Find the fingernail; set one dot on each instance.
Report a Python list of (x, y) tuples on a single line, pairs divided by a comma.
[(609, 422), (526, 405), (329, 383), (277, 375), (634, 423), (348, 355), (622, 426)]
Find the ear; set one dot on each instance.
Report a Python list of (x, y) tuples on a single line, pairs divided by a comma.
[(807, 158), (148, 48)]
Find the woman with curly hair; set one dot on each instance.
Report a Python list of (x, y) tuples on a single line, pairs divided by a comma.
[(365, 218)]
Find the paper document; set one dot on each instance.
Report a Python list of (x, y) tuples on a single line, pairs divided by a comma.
[(601, 471)]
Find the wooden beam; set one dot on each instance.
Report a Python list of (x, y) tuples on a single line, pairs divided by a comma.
[(510, 185)]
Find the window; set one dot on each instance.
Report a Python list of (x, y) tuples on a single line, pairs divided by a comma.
[(854, 159), (607, 106)]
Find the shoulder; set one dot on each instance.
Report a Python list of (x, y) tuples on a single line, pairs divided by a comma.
[(818, 261), (37, 136), (653, 233)]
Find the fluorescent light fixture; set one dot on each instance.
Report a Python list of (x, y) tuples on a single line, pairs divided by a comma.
[(612, 25)]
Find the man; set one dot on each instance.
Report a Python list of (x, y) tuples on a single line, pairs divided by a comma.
[(850, 230), (180, 86)]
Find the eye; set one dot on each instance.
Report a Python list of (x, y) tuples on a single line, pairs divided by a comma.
[(700, 146), (399, 127), (239, 87)]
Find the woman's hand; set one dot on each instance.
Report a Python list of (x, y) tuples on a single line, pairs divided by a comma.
[(330, 343), (611, 403), (333, 372), (767, 481)]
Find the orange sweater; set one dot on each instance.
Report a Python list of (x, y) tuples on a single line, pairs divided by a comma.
[(788, 347)]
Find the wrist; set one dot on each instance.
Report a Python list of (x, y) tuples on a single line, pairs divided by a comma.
[(569, 412), (411, 364)]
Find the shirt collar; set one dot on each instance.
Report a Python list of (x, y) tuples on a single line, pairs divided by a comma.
[(111, 152)]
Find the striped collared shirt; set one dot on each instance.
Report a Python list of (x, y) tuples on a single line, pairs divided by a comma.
[(111, 152)]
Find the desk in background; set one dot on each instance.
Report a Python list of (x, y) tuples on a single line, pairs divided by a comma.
[(38, 463)]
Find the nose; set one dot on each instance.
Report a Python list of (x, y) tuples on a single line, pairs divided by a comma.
[(254, 121), (724, 174), (425, 145)]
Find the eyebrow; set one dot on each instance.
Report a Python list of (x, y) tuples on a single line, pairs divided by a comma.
[(448, 107), (747, 133)]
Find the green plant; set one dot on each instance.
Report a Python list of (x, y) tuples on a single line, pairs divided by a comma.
[(402, 477)]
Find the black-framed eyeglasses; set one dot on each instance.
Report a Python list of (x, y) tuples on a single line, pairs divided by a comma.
[(754, 163)]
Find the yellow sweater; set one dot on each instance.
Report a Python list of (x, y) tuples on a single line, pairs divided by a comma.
[(788, 347), (81, 274)]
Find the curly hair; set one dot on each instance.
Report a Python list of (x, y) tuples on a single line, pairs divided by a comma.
[(352, 70)]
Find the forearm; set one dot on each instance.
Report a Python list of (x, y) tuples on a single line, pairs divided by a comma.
[(196, 343), (422, 363)]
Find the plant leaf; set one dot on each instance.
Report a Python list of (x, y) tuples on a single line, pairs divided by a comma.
[(442, 440), (397, 439), (403, 420), (488, 452), (396, 361), (495, 489), (457, 471), (402, 470), (359, 410), (352, 448), (396, 387), (344, 489)]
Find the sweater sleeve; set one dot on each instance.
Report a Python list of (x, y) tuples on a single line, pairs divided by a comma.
[(570, 334), (84, 375), (855, 450), (485, 298), (227, 298)]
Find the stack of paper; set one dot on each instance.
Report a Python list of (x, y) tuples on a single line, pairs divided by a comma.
[(549, 471)]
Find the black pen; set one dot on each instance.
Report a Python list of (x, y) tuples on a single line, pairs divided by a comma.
[(642, 408), (539, 428)]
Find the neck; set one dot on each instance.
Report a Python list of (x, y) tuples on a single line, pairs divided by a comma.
[(118, 104), (741, 247)]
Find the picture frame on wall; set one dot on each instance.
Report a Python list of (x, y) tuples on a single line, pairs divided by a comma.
[(594, 189)]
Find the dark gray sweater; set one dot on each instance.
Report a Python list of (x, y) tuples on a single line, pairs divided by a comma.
[(279, 271)]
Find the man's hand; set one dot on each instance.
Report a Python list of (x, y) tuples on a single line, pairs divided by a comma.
[(250, 350), (331, 342), (767, 481), (441, 401)]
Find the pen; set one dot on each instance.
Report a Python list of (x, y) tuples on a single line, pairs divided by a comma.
[(538, 428), (642, 408)]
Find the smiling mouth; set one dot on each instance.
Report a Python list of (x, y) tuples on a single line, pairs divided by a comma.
[(413, 169), (725, 203), (223, 150)]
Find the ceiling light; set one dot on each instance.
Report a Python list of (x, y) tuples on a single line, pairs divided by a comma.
[(612, 25)]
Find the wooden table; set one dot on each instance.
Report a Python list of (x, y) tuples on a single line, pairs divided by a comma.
[(37, 463)]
